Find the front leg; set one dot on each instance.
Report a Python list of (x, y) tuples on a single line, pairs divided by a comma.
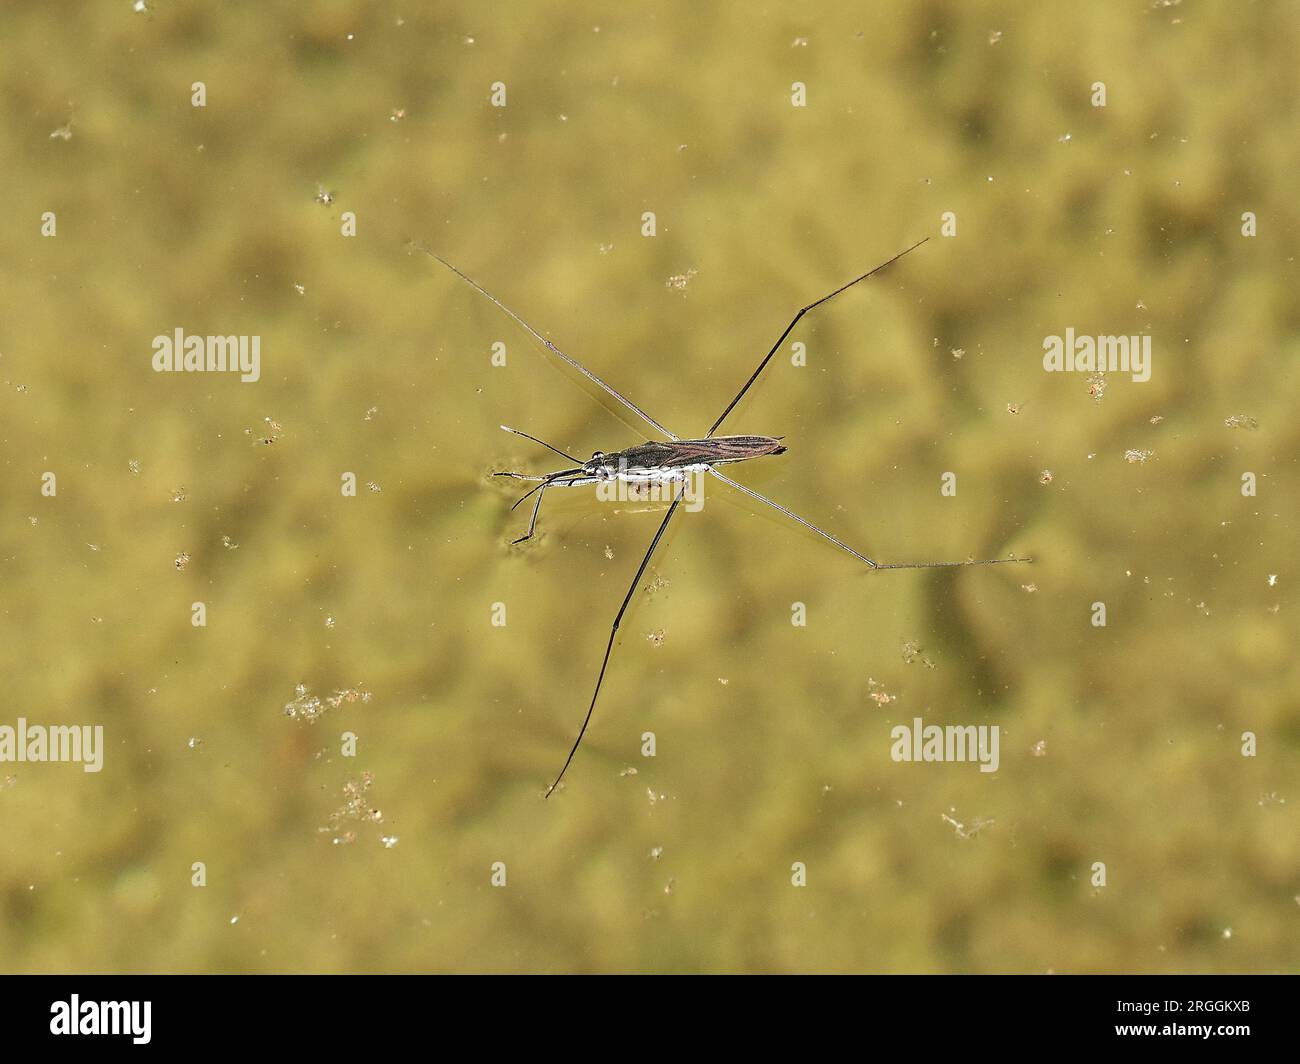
[(532, 525)]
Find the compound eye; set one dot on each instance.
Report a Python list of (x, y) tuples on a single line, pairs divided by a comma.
[(595, 455)]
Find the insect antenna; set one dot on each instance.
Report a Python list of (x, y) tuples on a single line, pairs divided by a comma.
[(613, 632), (550, 346), (768, 357), (562, 454)]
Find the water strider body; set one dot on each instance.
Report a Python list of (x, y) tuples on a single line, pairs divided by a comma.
[(672, 459), (646, 463), (653, 461)]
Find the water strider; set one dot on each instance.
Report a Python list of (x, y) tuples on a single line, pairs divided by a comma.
[(672, 460)]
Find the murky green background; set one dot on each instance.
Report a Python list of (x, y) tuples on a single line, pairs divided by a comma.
[(1120, 745)]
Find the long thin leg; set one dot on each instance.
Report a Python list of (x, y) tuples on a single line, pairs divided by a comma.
[(567, 478), (768, 357), (612, 633), (532, 524), (550, 346), (541, 490), (845, 547)]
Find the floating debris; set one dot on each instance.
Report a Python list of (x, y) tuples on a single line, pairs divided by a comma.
[(182, 561), (877, 693), (1157, 419), (1096, 386), (1013, 408), (179, 495), (654, 586), (228, 543), (656, 638), (134, 466), (1046, 476), (1241, 421), (274, 432), (323, 197), (1039, 749), (912, 653), (963, 832), (355, 807), (397, 114), (310, 707), (1138, 456), (680, 280)]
